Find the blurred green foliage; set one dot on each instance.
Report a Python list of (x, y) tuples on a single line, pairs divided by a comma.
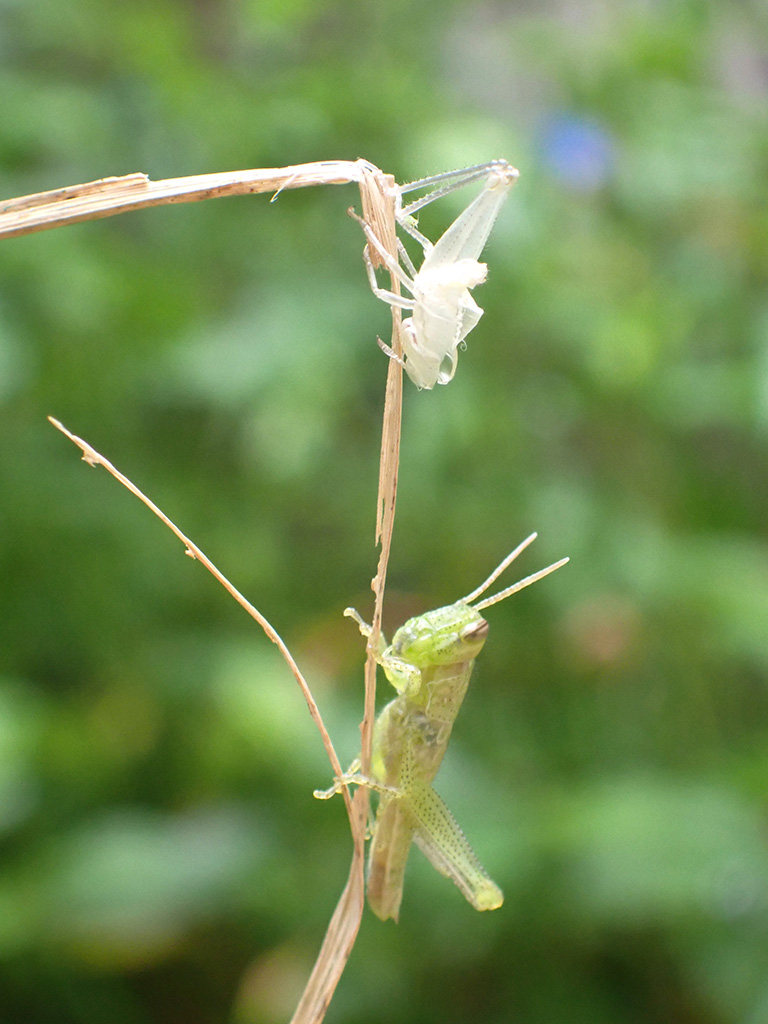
[(163, 858)]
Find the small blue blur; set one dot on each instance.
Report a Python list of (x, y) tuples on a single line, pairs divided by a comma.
[(577, 150)]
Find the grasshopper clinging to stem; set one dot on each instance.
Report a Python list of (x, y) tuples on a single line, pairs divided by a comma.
[(429, 663)]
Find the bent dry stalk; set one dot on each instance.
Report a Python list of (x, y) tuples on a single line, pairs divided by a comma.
[(429, 663)]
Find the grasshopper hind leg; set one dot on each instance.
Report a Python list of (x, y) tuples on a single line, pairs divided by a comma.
[(390, 845), (441, 839)]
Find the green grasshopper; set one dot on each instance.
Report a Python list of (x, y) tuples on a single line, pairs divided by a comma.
[(429, 663)]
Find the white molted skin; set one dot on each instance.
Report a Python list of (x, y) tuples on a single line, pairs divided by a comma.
[(443, 311)]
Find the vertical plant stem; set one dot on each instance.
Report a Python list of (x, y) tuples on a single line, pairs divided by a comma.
[(377, 194)]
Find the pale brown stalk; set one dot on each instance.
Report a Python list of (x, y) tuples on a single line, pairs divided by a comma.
[(94, 458), (377, 194), (109, 196)]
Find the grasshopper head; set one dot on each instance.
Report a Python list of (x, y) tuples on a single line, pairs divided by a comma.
[(445, 636)]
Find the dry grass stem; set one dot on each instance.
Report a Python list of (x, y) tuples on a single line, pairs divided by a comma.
[(94, 458), (135, 191), (109, 196), (342, 929), (378, 200), (378, 203)]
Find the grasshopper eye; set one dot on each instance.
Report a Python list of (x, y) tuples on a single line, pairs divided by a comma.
[(475, 631)]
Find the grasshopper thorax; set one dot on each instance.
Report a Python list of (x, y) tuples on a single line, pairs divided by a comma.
[(445, 636)]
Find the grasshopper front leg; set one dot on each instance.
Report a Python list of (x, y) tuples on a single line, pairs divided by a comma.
[(400, 672)]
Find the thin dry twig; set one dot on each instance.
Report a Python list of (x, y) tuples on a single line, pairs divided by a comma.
[(379, 206), (94, 458), (109, 196), (345, 923), (341, 933)]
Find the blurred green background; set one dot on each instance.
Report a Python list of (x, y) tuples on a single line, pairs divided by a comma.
[(163, 858)]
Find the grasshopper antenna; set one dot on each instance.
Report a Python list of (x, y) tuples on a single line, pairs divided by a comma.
[(520, 585), (499, 569)]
